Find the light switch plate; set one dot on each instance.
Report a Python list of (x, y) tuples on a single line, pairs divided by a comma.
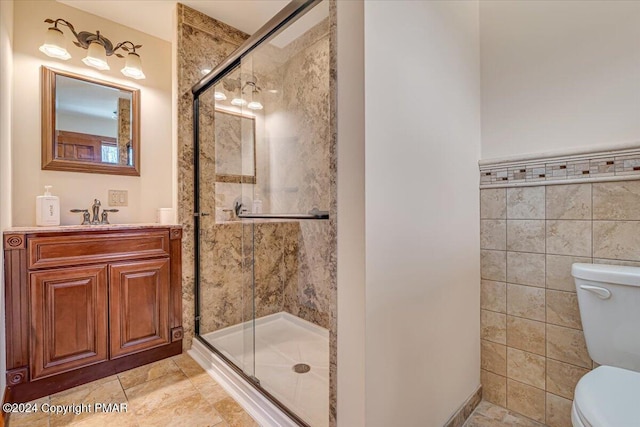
[(118, 198)]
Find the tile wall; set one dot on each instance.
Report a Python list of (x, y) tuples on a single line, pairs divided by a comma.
[(533, 348)]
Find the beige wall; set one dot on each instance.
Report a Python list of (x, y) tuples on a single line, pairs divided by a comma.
[(422, 113), (560, 74), (6, 74), (533, 348), (153, 189)]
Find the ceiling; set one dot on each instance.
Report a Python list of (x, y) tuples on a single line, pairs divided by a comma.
[(245, 15)]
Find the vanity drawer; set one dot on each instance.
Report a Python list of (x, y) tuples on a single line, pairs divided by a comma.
[(58, 251)]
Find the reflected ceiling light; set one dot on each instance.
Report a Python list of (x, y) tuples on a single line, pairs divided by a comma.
[(238, 102), (272, 91), (98, 48), (205, 71), (255, 105), (219, 96)]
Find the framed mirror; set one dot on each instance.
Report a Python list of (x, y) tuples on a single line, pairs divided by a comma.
[(235, 138), (89, 125)]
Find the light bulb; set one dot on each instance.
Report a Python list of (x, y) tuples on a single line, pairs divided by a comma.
[(133, 66), (96, 57), (255, 105), (54, 44), (219, 96), (238, 102)]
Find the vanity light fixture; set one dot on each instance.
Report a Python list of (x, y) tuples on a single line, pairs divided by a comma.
[(219, 96), (98, 48), (255, 105), (238, 102)]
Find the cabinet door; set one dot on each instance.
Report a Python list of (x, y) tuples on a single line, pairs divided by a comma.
[(138, 305), (68, 319)]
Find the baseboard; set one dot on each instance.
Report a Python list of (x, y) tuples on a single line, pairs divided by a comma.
[(461, 415)]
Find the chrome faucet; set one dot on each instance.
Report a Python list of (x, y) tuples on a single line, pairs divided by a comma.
[(95, 208), (97, 218)]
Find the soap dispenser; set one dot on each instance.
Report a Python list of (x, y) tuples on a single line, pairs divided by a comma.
[(47, 208)]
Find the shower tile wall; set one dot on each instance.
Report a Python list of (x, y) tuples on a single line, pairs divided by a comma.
[(202, 42), (533, 349)]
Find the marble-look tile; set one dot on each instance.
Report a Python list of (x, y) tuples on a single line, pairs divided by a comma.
[(558, 411), (526, 268), (233, 414), (187, 365), (569, 237), (525, 235), (562, 378), (493, 357), (493, 265), (525, 301), (525, 202), (494, 387), (192, 412), (492, 411), (31, 419), (493, 203), (527, 368), (487, 414), (526, 400), (616, 200), (493, 234), (569, 201), (146, 373), (493, 296), (103, 392), (493, 326), (616, 240), (106, 419), (148, 397), (209, 388), (567, 345), (527, 335), (562, 309), (558, 272)]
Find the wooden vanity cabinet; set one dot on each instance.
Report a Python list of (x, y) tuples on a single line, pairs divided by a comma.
[(82, 305)]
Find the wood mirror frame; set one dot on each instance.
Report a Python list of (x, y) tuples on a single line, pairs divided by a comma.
[(49, 159)]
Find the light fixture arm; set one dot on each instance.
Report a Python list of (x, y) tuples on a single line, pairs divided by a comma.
[(85, 38), (127, 46)]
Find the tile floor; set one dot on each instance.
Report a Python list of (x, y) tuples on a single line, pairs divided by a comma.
[(170, 392), (489, 415), (281, 341)]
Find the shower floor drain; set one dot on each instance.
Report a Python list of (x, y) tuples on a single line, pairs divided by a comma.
[(301, 368)]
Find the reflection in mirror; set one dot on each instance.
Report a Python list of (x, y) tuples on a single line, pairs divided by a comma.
[(235, 147), (89, 125)]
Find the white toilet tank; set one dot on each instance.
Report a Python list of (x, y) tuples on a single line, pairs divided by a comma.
[(609, 299)]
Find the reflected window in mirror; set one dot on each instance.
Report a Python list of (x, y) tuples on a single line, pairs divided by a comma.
[(89, 125)]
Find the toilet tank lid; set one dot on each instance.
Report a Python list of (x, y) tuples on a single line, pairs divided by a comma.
[(617, 274)]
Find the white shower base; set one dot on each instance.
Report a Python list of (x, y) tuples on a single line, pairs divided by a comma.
[(283, 340)]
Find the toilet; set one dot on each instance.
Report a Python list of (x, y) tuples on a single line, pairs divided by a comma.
[(609, 300)]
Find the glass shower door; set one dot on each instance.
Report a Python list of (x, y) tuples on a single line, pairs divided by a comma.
[(225, 255)]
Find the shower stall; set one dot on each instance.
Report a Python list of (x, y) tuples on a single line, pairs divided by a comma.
[(264, 232)]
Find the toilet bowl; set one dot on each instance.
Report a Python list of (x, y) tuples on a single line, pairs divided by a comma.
[(607, 396), (609, 301)]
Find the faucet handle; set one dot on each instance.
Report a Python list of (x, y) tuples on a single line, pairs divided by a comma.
[(86, 216), (105, 215)]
